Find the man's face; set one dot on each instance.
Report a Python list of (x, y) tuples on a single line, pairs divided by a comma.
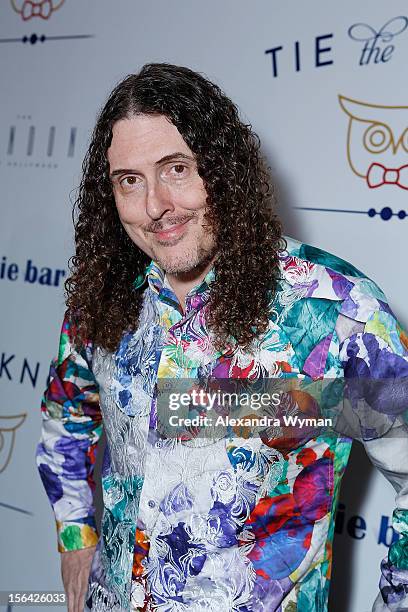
[(159, 194)]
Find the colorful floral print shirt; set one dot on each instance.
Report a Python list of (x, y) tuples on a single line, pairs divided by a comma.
[(232, 524)]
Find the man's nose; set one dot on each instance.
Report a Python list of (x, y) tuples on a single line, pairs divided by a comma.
[(158, 199)]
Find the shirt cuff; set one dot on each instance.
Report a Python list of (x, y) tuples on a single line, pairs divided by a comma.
[(75, 535)]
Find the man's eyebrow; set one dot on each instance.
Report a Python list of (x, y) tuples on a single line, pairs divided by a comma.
[(172, 156), (163, 160)]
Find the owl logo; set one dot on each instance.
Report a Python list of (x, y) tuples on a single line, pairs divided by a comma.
[(377, 142), (8, 428), (36, 8)]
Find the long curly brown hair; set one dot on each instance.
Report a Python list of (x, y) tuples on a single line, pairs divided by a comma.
[(101, 299)]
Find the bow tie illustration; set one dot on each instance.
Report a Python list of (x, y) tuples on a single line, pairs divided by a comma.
[(379, 175), (43, 9)]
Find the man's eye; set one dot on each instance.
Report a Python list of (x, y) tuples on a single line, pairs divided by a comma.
[(128, 181), (178, 169)]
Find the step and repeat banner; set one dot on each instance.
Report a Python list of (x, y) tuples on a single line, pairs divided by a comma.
[(325, 89)]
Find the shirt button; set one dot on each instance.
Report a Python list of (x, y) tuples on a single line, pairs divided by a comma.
[(177, 330), (158, 444), (151, 503)]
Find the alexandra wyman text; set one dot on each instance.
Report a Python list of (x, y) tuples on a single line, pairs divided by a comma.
[(264, 421)]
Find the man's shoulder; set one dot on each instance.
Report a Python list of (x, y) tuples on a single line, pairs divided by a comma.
[(319, 257), (311, 272)]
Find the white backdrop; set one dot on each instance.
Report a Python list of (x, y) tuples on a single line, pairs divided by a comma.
[(285, 65)]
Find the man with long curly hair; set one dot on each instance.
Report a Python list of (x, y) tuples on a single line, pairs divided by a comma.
[(181, 273)]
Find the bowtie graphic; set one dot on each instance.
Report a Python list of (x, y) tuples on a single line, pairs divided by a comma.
[(42, 9), (379, 175)]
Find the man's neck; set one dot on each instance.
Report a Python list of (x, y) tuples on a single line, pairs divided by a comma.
[(183, 283)]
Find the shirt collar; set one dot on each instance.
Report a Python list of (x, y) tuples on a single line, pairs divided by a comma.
[(156, 279)]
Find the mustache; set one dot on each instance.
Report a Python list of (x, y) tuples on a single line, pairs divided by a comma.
[(164, 224)]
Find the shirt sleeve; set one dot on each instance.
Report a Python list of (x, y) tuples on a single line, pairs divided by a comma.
[(66, 452), (375, 358)]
